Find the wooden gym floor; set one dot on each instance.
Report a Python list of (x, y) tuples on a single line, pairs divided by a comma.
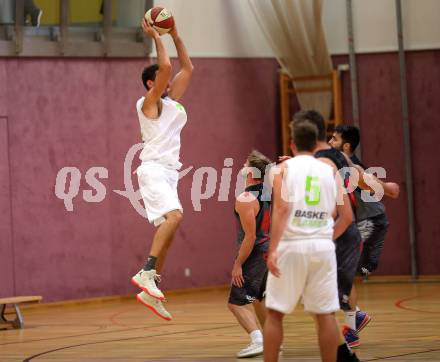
[(405, 327)]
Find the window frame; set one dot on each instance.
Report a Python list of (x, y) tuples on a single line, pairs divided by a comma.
[(60, 41)]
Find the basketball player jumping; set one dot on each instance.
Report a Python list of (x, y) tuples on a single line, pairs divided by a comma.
[(161, 120), (250, 271), (302, 259)]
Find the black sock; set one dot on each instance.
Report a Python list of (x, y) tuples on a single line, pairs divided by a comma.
[(345, 354), (151, 263)]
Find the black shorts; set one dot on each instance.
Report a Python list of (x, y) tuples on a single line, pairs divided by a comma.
[(254, 275), (348, 251), (373, 232)]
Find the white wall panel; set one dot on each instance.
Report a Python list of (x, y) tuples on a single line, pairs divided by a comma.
[(227, 28)]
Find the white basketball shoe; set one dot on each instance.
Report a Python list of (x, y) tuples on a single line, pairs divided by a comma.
[(154, 304), (252, 350), (146, 280)]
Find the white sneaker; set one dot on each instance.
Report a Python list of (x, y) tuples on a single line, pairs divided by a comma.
[(145, 280), (154, 304), (254, 349)]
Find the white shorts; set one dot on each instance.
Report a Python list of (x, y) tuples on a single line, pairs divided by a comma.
[(158, 187), (308, 270)]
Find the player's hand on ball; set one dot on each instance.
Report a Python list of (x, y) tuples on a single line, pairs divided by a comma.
[(272, 264), (148, 29), (173, 32), (237, 275)]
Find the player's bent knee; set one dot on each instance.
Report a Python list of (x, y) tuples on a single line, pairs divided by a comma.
[(231, 307), (323, 316), (175, 217), (275, 314)]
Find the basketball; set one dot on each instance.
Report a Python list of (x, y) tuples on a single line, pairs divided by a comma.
[(160, 19)]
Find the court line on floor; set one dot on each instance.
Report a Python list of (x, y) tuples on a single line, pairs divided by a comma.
[(199, 330), (113, 317), (124, 339), (402, 355), (98, 332), (399, 304), (75, 335)]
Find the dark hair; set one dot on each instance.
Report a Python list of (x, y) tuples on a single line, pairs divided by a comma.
[(149, 73), (259, 161), (349, 134), (316, 118), (304, 134)]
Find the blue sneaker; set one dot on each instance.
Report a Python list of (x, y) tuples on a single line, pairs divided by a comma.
[(351, 337), (362, 319)]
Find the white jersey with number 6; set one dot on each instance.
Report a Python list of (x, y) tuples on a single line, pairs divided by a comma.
[(309, 186)]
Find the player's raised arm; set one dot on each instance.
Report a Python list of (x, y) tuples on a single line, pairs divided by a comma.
[(391, 189), (163, 75), (181, 81)]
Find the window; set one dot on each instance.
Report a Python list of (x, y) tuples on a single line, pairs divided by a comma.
[(7, 23), (73, 28)]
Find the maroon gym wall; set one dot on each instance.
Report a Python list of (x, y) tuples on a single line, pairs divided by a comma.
[(81, 113), (382, 134)]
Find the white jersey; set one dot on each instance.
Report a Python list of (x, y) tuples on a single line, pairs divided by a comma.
[(161, 136), (309, 186)]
